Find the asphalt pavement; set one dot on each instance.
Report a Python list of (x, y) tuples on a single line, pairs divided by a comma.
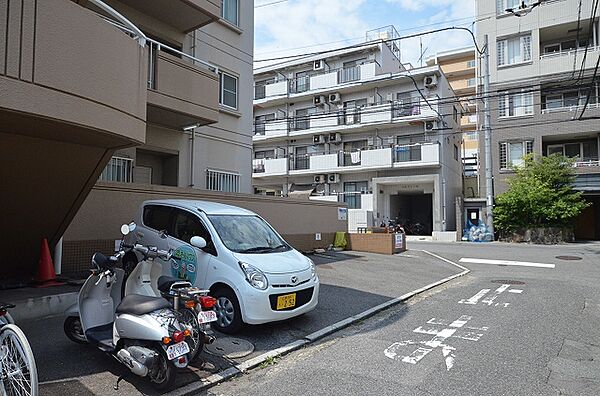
[(501, 330), (350, 283)]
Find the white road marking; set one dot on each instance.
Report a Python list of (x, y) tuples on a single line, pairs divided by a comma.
[(505, 262), (473, 300), (439, 337), (489, 300), (517, 291)]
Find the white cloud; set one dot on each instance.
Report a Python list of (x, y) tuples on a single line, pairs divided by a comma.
[(304, 23)]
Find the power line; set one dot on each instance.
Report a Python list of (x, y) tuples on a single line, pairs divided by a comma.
[(271, 3)]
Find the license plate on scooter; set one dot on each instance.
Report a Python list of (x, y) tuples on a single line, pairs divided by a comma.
[(207, 316), (179, 349)]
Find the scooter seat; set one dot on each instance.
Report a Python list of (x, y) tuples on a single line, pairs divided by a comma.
[(136, 304), (165, 282)]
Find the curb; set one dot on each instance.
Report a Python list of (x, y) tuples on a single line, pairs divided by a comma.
[(39, 307), (233, 371)]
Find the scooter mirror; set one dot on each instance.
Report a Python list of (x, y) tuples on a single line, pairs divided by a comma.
[(124, 229), (132, 226), (198, 242)]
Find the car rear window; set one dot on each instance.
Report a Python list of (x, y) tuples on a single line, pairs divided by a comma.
[(157, 217)]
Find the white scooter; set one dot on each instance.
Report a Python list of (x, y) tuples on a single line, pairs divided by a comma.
[(141, 332), (193, 306)]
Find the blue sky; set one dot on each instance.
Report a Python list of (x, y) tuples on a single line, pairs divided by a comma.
[(300, 26)]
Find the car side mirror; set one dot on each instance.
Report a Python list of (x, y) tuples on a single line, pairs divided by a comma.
[(198, 242)]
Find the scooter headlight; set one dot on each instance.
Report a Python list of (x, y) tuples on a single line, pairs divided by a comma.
[(254, 276)]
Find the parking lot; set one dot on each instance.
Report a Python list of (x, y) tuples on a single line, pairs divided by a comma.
[(350, 283)]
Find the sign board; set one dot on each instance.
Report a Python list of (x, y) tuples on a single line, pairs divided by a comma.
[(343, 214), (398, 241), (318, 236)]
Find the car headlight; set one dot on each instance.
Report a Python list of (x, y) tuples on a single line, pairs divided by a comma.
[(313, 269), (254, 276)]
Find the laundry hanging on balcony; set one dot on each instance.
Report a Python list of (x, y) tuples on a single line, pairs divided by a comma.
[(355, 157)]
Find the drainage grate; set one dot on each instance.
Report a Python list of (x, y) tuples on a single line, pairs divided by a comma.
[(508, 282), (568, 257)]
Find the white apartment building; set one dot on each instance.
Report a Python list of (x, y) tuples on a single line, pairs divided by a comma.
[(541, 68), (354, 125)]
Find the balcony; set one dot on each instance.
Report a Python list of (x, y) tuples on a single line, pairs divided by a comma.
[(417, 155), (560, 62), (269, 167), (180, 93), (317, 81), (184, 15)]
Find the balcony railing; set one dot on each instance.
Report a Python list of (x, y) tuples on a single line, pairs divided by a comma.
[(570, 108), (376, 113), (118, 169), (270, 166), (317, 80)]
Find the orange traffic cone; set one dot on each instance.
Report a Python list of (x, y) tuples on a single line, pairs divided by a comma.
[(46, 276)]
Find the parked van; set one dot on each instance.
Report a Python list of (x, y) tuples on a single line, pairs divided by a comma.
[(253, 273)]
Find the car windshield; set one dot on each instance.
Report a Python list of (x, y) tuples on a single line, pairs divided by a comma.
[(247, 234)]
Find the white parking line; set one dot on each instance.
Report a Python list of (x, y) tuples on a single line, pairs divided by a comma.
[(505, 262), (489, 300)]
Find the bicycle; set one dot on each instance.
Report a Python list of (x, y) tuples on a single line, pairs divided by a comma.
[(18, 372)]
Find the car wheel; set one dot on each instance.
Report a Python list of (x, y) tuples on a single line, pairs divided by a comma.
[(229, 317)]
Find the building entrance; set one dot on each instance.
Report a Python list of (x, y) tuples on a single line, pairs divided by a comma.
[(414, 212)]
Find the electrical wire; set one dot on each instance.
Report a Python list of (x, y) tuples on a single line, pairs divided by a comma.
[(271, 3)]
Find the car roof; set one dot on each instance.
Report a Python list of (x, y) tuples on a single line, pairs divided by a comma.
[(208, 207)]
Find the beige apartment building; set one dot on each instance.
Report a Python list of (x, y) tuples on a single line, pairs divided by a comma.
[(459, 66), (125, 91)]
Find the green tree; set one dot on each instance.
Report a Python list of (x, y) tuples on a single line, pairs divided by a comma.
[(540, 194)]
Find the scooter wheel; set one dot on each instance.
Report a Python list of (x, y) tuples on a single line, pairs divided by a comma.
[(163, 373), (74, 330)]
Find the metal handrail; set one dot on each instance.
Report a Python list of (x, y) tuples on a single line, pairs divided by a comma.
[(141, 37), (160, 45)]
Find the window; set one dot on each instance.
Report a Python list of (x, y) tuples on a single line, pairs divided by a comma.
[(511, 153), (230, 11), (186, 225), (352, 192), (567, 99), (513, 50), (118, 169), (302, 119), (503, 5), (260, 121), (264, 154), (471, 63), (157, 217), (302, 82), (582, 151), (515, 104), (222, 181), (228, 90)]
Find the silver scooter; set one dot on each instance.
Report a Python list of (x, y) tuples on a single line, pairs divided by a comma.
[(141, 332)]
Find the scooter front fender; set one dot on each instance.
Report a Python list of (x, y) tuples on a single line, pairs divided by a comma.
[(73, 310)]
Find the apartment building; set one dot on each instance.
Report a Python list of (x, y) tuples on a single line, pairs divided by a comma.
[(88, 83), (354, 125), (541, 67), (184, 152), (459, 66)]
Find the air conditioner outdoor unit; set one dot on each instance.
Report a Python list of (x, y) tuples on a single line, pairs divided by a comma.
[(319, 65), (335, 137), (319, 100), (320, 179), (430, 81), (335, 98), (318, 138), (333, 178), (430, 126)]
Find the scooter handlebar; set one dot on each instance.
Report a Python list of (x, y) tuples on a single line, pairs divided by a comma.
[(152, 252)]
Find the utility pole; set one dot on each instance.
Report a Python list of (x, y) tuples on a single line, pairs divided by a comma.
[(489, 187)]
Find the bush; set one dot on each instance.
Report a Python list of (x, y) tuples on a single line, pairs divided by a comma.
[(540, 195)]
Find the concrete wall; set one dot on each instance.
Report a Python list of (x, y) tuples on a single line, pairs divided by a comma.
[(110, 204)]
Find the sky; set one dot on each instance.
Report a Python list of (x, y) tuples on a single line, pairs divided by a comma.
[(290, 27)]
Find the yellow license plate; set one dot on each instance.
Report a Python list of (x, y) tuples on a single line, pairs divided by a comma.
[(287, 301)]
